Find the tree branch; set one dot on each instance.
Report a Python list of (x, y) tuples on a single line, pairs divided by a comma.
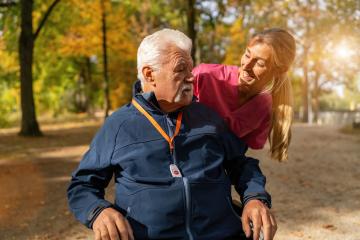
[(43, 20), (8, 4)]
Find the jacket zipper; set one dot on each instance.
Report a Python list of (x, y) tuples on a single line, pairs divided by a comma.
[(184, 179), (127, 212), (188, 207), (186, 188)]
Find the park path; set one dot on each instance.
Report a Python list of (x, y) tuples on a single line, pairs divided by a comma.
[(316, 195)]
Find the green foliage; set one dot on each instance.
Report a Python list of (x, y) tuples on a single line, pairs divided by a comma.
[(68, 55), (237, 43), (9, 104), (296, 83), (349, 101)]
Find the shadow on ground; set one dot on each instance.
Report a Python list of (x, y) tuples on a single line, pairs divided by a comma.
[(34, 175)]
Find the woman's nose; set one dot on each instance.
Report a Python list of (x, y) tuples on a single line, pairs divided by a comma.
[(248, 64)]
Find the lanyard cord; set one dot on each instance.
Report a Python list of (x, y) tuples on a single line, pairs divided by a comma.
[(157, 126)]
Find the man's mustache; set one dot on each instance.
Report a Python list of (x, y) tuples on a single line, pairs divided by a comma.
[(186, 86)]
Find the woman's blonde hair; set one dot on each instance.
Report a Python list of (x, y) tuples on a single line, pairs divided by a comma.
[(283, 48)]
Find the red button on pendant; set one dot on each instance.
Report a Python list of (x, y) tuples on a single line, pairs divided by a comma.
[(175, 172)]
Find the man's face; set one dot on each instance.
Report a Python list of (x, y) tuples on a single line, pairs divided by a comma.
[(173, 82)]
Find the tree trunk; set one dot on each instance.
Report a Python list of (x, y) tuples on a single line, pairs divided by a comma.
[(105, 72), (305, 89), (316, 96), (305, 95), (29, 124), (191, 20), (88, 84)]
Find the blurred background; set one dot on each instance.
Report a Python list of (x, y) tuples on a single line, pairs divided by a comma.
[(66, 64)]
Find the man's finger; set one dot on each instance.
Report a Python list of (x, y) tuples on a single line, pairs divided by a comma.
[(130, 231), (112, 229), (97, 234), (266, 225), (274, 225), (104, 234), (122, 228), (256, 220), (246, 225)]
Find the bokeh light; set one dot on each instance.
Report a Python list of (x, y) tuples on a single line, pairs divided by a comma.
[(343, 50)]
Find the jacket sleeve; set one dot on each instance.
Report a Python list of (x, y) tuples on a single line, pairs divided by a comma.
[(87, 187), (244, 172)]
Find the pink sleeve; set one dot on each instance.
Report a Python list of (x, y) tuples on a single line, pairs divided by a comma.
[(197, 73)]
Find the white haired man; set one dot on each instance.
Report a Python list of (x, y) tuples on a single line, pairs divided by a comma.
[(173, 160)]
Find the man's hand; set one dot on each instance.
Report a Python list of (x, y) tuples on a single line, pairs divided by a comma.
[(111, 225), (259, 214)]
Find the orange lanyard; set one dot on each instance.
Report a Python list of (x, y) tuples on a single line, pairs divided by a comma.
[(157, 126)]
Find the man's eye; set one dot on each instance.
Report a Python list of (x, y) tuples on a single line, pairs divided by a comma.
[(180, 69)]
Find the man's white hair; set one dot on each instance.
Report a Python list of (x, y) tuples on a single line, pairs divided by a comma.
[(155, 45)]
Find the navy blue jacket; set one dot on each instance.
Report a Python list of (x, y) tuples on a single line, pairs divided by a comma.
[(157, 205)]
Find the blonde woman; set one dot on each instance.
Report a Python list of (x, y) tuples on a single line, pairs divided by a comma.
[(255, 99)]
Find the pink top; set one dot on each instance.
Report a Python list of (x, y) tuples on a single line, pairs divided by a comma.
[(215, 85)]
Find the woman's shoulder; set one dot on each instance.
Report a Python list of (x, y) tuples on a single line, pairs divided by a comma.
[(259, 105), (262, 99), (252, 120), (219, 71)]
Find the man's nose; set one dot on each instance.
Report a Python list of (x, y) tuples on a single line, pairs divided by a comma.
[(190, 77)]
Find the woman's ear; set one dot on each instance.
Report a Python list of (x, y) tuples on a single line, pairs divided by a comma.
[(280, 70), (148, 75)]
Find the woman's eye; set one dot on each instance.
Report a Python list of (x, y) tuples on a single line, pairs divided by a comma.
[(260, 64), (247, 55)]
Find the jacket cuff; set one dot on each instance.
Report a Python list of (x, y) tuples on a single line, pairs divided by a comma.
[(92, 215), (263, 197)]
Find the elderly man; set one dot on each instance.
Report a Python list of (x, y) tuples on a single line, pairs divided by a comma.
[(173, 160)]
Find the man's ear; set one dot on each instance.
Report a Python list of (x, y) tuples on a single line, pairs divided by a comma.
[(148, 75)]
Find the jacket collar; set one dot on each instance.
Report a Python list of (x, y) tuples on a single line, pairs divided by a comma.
[(147, 100)]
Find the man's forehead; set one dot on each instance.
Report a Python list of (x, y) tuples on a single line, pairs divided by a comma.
[(178, 54)]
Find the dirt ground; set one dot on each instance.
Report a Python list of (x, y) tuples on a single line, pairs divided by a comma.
[(316, 195)]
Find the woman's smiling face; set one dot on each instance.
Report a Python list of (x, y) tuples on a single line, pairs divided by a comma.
[(256, 70)]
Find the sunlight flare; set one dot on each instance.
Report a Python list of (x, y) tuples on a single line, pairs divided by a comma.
[(343, 50)]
